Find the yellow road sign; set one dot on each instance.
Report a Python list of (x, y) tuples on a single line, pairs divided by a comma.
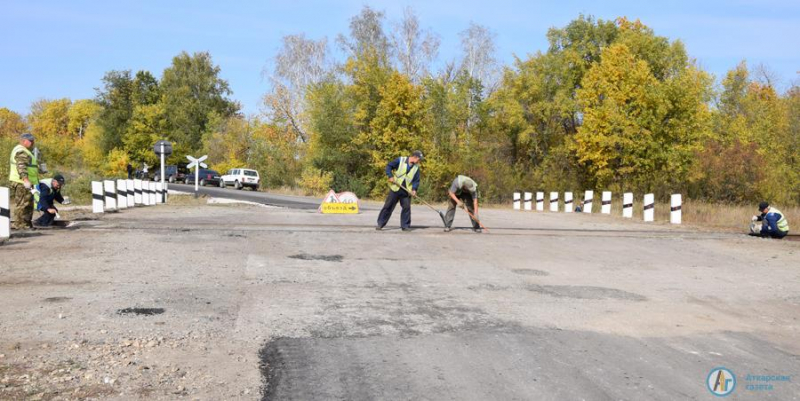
[(339, 208)]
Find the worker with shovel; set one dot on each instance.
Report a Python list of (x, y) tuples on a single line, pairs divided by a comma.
[(403, 173), (463, 192)]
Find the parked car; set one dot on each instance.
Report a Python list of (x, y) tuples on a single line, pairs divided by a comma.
[(240, 178), (173, 173), (206, 177)]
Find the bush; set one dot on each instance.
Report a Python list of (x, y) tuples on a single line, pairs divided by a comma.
[(314, 181)]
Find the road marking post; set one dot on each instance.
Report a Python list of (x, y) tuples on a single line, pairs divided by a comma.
[(605, 206), (130, 194), (587, 201), (528, 199), (5, 213), (146, 193), (516, 200), (97, 197), (540, 201), (553, 201), (649, 207), (122, 194), (568, 202), (137, 192), (159, 192), (153, 199), (110, 196), (627, 205), (675, 209)]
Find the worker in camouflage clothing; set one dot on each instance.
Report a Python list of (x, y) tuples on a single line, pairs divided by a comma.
[(23, 174)]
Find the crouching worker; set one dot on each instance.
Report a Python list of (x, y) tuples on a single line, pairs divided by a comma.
[(49, 193), (463, 189), (773, 222)]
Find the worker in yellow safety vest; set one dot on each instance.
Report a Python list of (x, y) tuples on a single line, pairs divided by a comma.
[(23, 174), (403, 174), (773, 222)]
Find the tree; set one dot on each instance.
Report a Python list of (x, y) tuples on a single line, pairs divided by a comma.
[(300, 64), (116, 99), (366, 35), (81, 114), (49, 121), (414, 47), (477, 44), (191, 90), (12, 125)]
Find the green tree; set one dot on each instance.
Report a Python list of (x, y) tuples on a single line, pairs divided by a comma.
[(191, 90)]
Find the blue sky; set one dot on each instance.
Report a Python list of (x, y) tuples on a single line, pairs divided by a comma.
[(55, 49)]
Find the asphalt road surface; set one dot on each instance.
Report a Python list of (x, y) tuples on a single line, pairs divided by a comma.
[(197, 301), (265, 198)]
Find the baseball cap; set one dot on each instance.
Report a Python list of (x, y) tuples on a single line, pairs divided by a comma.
[(418, 154), (763, 205), (27, 136)]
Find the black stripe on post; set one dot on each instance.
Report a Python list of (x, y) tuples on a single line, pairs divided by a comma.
[(130, 192), (539, 200), (587, 201), (650, 206), (554, 200), (110, 194), (627, 205), (605, 203), (567, 202), (675, 208), (97, 197), (5, 213)]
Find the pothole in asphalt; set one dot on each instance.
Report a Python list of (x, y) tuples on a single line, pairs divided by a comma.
[(327, 258), (57, 299), (140, 311), (584, 292), (530, 272)]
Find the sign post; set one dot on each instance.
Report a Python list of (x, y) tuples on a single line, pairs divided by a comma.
[(163, 148), (196, 163)]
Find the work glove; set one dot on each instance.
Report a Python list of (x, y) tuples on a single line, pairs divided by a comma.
[(755, 218), (34, 191), (67, 201), (27, 184)]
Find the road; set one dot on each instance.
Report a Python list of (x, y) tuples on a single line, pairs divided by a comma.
[(245, 302), (294, 202)]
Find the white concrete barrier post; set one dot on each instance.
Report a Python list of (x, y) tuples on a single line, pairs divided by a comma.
[(553, 201), (5, 213), (110, 195), (568, 206), (130, 193), (159, 192), (97, 197), (516, 200), (675, 209), (146, 193), (540, 201), (587, 201), (627, 205), (153, 189), (122, 194), (137, 192), (528, 201), (605, 207), (649, 207)]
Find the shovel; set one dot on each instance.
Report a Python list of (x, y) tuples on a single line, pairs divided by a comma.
[(463, 206), (423, 202)]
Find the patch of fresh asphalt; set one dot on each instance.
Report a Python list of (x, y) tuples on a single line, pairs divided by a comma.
[(514, 364)]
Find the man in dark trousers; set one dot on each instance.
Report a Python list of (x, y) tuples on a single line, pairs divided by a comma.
[(773, 222), (403, 173), (49, 193), (463, 191)]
